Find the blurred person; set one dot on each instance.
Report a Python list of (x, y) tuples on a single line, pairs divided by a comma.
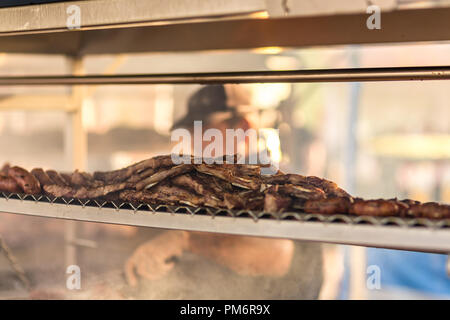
[(247, 267)]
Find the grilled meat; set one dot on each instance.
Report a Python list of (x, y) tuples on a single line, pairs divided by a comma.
[(206, 183), (229, 174), (42, 176), (59, 191), (430, 210), (56, 178), (274, 201), (163, 194), (328, 206), (4, 170), (328, 187), (27, 182), (376, 208), (302, 191), (125, 173), (83, 192), (192, 182), (8, 184), (163, 174)]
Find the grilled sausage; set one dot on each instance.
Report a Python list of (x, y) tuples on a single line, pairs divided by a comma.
[(328, 206)]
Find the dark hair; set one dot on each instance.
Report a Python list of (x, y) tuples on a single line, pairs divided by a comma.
[(204, 103)]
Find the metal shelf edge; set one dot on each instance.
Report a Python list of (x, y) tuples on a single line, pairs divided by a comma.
[(416, 239)]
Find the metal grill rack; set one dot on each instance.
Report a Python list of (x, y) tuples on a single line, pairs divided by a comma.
[(388, 232), (113, 29)]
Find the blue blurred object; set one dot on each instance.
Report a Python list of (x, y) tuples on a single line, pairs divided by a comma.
[(344, 288), (15, 3), (407, 270)]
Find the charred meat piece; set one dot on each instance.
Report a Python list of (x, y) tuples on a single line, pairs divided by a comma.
[(125, 173), (67, 177), (375, 208), (84, 192), (274, 201), (330, 188), (27, 182), (302, 191), (281, 179), (193, 182), (327, 206), (8, 184), (244, 201), (403, 206), (429, 210), (218, 186), (233, 201), (190, 181), (133, 196), (246, 169), (409, 202), (79, 180), (59, 190), (101, 191), (57, 178), (4, 170), (163, 194), (247, 200), (42, 176), (255, 202), (140, 176), (163, 174), (229, 174)]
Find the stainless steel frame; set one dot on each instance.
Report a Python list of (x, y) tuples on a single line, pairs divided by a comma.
[(324, 75), (216, 33)]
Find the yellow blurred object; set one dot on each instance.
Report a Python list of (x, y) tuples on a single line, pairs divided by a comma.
[(2, 58), (429, 147), (259, 15), (446, 195), (268, 50), (272, 143), (419, 196)]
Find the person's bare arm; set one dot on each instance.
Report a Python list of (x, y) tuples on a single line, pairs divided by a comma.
[(151, 259), (244, 255)]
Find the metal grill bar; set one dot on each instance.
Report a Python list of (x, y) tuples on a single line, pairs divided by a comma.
[(318, 75), (396, 233)]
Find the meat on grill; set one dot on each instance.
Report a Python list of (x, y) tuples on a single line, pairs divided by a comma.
[(8, 184), (377, 208), (163, 174), (42, 176), (328, 206), (4, 170), (230, 173), (27, 182), (206, 183), (125, 173)]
